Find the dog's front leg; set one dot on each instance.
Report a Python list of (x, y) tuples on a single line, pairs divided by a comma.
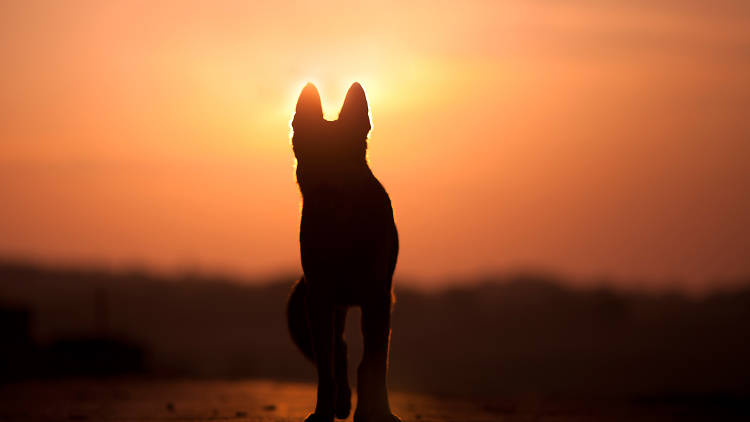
[(372, 393), (321, 315)]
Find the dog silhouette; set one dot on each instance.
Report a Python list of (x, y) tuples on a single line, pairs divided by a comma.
[(349, 247)]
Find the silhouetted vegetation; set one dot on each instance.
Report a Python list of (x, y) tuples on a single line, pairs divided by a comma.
[(508, 335)]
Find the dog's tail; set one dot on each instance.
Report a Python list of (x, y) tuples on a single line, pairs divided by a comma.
[(296, 315)]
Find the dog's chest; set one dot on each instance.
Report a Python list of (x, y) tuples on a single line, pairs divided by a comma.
[(325, 221)]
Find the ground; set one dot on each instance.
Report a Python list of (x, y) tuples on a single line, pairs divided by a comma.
[(270, 401)]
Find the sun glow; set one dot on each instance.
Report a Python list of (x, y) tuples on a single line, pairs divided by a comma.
[(332, 93)]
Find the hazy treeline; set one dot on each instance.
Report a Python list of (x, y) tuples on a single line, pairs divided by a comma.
[(511, 334)]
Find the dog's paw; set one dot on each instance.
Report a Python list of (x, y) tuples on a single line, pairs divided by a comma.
[(314, 417), (375, 417), (343, 403)]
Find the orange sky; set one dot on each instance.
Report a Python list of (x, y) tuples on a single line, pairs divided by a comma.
[(586, 138)]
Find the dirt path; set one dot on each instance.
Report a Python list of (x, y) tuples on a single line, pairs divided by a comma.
[(267, 401)]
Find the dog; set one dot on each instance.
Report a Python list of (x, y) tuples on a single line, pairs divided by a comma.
[(349, 247)]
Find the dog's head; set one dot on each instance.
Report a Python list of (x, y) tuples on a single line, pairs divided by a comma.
[(321, 145)]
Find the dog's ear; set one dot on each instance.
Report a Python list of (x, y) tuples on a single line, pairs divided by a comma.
[(309, 110), (354, 112)]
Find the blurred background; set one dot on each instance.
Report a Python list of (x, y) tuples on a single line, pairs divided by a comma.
[(569, 180)]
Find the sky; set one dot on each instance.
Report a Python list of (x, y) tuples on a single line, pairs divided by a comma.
[(597, 140)]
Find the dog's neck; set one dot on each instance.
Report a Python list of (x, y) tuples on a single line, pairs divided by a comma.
[(344, 177)]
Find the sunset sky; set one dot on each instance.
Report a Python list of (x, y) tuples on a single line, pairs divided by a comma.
[(586, 138)]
